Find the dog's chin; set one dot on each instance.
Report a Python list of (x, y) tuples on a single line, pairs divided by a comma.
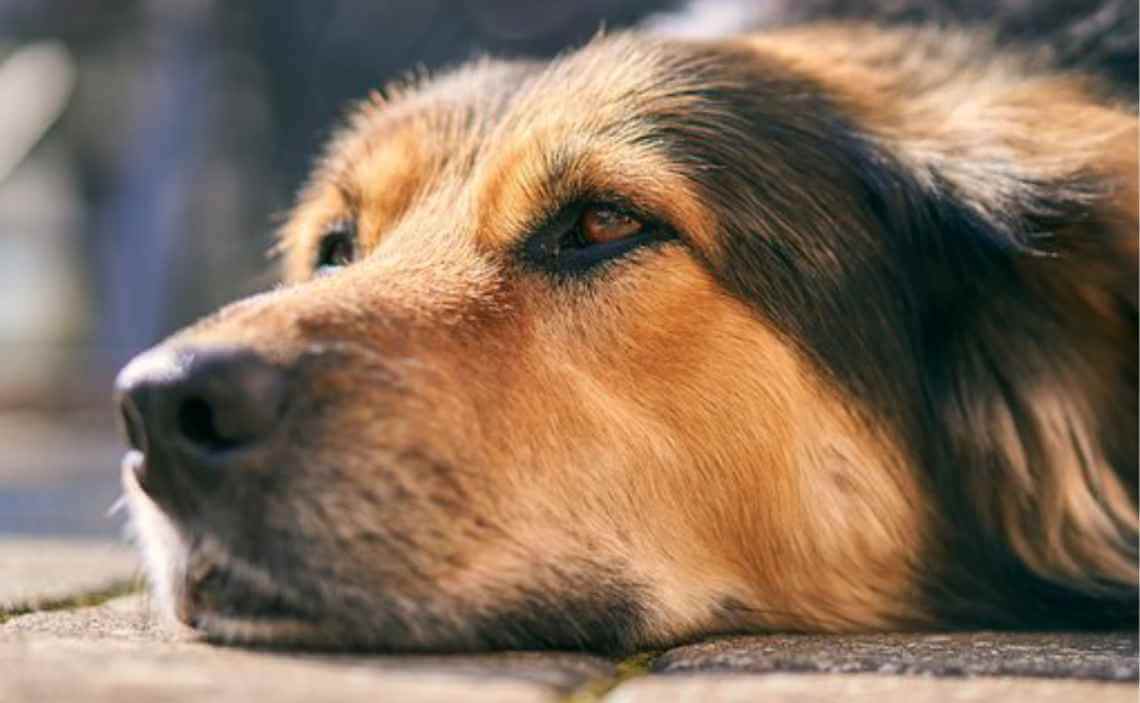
[(223, 598), (226, 600), (234, 615), (260, 632), (231, 602)]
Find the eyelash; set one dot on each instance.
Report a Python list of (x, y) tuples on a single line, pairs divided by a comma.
[(558, 246)]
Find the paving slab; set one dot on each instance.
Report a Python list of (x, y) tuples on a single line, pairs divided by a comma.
[(1109, 656), (863, 688), (77, 670), (37, 572), (54, 648), (122, 651)]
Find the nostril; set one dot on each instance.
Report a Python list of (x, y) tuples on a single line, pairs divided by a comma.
[(191, 414), (198, 423), (201, 401), (133, 425)]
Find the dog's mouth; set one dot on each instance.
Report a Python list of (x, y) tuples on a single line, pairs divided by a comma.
[(222, 592), (225, 598), (232, 603)]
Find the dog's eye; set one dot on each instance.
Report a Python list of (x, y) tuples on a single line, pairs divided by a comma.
[(582, 236), (600, 224), (337, 249)]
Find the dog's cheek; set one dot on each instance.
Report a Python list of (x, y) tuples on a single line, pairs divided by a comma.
[(411, 518), (728, 470)]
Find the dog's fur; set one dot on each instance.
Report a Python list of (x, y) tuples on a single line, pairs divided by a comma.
[(884, 376)]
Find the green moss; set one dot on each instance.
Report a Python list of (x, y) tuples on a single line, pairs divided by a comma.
[(595, 690), (84, 599)]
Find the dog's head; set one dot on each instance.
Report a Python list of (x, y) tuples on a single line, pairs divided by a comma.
[(666, 338)]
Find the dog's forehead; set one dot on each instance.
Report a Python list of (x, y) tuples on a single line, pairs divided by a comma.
[(500, 141), (394, 151), (594, 123), (599, 89), (397, 148)]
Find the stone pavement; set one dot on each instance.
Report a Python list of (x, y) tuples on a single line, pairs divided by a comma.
[(1079, 655), (75, 627), (39, 574)]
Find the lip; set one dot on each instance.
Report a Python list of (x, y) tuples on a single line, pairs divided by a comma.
[(277, 633), (228, 600), (218, 591), (226, 607), (217, 584)]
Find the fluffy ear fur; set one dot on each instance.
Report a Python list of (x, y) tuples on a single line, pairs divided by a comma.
[(1032, 358), (1004, 191), (1097, 36), (1024, 231)]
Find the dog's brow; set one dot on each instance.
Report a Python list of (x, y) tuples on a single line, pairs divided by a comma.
[(513, 200), (347, 189)]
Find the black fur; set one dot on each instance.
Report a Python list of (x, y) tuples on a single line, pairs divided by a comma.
[(921, 309), (1095, 36), (603, 611)]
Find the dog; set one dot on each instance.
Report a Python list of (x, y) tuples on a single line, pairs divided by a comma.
[(829, 326)]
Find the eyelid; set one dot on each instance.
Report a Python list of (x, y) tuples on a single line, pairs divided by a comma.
[(544, 248), (341, 225)]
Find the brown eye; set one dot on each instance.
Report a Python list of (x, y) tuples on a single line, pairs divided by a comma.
[(337, 249), (583, 235), (600, 224)]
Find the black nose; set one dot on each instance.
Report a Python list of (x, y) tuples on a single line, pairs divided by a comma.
[(192, 410)]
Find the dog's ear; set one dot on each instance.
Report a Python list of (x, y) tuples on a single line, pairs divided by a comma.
[(950, 234), (1022, 235)]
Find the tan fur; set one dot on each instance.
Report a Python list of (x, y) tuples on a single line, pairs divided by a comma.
[(940, 100), (476, 431)]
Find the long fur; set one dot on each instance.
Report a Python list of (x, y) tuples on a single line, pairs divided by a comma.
[(873, 364)]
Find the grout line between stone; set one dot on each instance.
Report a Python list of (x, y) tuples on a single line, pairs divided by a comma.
[(83, 599), (594, 690)]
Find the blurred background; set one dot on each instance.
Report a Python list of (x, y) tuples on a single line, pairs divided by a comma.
[(145, 148)]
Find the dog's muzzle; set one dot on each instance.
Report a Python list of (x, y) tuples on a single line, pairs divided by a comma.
[(197, 416)]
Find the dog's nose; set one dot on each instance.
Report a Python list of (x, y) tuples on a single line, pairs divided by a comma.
[(191, 410)]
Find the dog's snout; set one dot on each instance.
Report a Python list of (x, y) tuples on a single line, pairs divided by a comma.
[(195, 408)]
